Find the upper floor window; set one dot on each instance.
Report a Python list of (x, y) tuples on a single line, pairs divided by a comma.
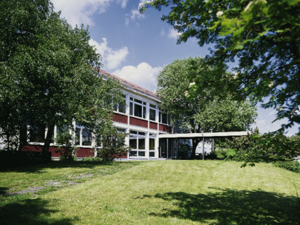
[(137, 108), (121, 107), (152, 111), (164, 118)]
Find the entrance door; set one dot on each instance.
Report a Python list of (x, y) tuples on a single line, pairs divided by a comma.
[(162, 148)]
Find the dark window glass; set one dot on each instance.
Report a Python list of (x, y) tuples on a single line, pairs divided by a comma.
[(151, 144), (152, 154), (138, 110), (169, 120), (133, 132), (131, 108), (153, 106), (152, 114), (144, 112), (159, 116), (141, 153), (77, 136), (133, 153), (86, 137), (141, 133), (37, 134), (122, 107), (144, 103), (132, 143), (164, 118), (139, 101), (115, 107), (141, 143)]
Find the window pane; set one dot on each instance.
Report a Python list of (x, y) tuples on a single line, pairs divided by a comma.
[(164, 118), (133, 153), (141, 153), (151, 144), (77, 136), (160, 117), (152, 114), (137, 110), (131, 108), (141, 143), (37, 134), (153, 106), (152, 154), (131, 99), (133, 132), (139, 101), (132, 143), (144, 112), (142, 133), (122, 107), (86, 137)]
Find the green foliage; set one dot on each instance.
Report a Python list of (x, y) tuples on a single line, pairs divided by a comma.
[(289, 165), (48, 72), (184, 149), (260, 35), (270, 147), (194, 112), (66, 141), (113, 145)]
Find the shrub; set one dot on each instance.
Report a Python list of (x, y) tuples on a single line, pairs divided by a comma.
[(293, 166)]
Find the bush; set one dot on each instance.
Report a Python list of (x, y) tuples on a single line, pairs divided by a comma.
[(293, 166)]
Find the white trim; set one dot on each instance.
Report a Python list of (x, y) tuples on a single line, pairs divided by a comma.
[(206, 135)]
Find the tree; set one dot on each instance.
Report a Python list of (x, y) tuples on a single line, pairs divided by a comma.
[(49, 72), (262, 36), (195, 112)]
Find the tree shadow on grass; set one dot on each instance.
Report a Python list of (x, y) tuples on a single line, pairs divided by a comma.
[(30, 211), (226, 206), (3, 190), (63, 164)]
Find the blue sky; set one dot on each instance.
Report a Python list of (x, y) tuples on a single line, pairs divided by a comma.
[(136, 47)]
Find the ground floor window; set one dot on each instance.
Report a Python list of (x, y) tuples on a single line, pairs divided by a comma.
[(137, 143), (152, 145)]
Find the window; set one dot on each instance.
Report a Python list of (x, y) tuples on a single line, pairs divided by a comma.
[(152, 112), (37, 134), (137, 108), (164, 118), (152, 145), (121, 107), (83, 136), (137, 143)]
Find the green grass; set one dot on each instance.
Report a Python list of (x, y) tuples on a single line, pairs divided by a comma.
[(159, 192)]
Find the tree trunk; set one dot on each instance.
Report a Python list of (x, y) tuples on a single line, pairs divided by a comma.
[(48, 138)]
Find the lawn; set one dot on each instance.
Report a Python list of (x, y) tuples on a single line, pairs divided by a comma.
[(154, 192)]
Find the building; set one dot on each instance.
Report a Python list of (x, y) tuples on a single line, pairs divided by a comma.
[(140, 117)]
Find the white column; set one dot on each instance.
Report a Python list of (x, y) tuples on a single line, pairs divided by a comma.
[(147, 145), (127, 141), (156, 146)]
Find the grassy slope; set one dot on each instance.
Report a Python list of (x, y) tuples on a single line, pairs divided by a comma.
[(172, 192)]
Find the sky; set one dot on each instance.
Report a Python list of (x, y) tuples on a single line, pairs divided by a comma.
[(137, 46)]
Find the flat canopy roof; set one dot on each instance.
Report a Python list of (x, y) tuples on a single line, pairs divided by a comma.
[(205, 135)]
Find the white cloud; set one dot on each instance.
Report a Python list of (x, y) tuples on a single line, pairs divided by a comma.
[(80, 11), (110, 58), (162, 32), (173, 34), (123, 3), (133, 15), (143, 75)]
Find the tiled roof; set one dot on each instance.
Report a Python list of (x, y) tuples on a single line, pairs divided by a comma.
[(128, 84)]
